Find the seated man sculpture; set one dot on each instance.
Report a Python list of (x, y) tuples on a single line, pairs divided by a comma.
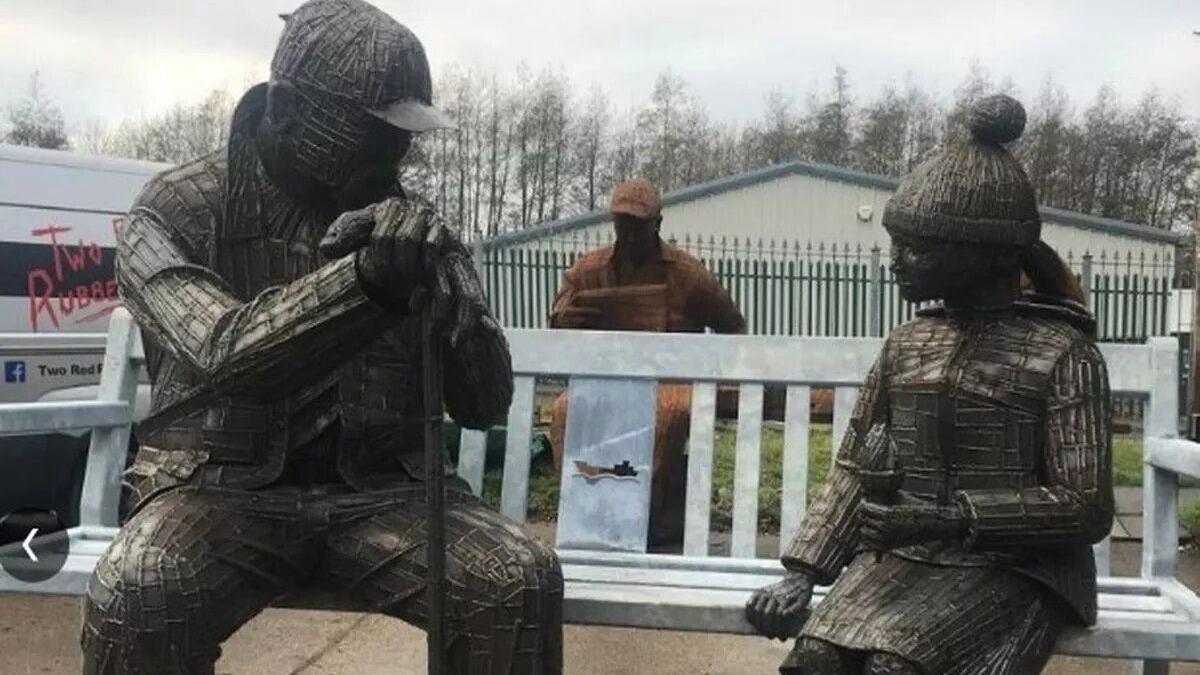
[(287, 412), (956, 526)]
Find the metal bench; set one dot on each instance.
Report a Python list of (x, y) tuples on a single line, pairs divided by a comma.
[(1152, 619)]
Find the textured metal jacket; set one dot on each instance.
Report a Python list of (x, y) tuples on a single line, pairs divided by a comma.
[(1005, 413), (313, 381), (695, 298)]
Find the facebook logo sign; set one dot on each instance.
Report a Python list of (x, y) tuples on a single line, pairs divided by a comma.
[(14, 371)]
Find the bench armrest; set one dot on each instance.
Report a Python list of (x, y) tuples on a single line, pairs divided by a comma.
[(1164, 460)]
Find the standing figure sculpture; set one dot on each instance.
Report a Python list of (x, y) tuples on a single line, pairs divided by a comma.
[(991, 414), (643, 283), (278, 283)]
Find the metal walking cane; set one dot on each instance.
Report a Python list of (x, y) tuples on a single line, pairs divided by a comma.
[(435, 489)]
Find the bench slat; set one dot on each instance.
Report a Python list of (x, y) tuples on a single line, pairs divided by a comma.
[(625, 576), (514, 492), (472, 455), (795, 461), (692, 357), (701, 581), (1117, 633), (1105, 585), (700, 459), (743, 543), (844, 399), (50, 416)]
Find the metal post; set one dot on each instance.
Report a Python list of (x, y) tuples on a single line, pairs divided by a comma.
[(435, 494), (875, 296), (1193, 394), (1085, 279)]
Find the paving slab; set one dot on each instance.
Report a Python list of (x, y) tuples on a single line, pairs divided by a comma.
[(39, 634), (1128, 500), (286, 640)]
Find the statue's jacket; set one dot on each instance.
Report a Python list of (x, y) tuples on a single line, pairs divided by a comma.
[(1003, 412), (304, 379)]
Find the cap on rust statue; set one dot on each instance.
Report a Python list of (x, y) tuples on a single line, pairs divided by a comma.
[(957, 523), (273, 281)]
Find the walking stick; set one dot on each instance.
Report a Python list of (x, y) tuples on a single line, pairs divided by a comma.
[(435, 490)]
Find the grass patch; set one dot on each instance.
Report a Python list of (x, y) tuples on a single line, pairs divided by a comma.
[(543, 483), (1189, 517), (1127, 463)]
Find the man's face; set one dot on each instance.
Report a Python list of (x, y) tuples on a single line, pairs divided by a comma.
[(926, 269), (341, 146), (635, 235)]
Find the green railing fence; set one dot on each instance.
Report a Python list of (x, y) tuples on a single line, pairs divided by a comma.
[(823, 289)]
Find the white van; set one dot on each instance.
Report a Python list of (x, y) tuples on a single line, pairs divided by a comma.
[(59, 213)]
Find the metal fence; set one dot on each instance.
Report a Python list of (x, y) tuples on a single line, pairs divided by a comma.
[(822, 289)]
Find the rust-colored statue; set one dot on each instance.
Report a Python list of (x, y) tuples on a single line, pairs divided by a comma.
[(957, 524), (644, 283), (285, 448)]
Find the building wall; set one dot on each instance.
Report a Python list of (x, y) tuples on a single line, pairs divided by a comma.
[(802, 208), (815, 272)]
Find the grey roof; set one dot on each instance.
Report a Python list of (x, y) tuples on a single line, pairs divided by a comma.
[(828, 172)]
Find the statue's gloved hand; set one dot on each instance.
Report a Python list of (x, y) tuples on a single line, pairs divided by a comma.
[(883, 527), (779, 610), (389, 239), (457, 298)]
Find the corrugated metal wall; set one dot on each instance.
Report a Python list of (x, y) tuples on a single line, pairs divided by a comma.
[(805, 208)]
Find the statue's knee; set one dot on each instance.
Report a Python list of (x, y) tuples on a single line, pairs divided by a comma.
[(810, 656), (539, 571), (881, 663), (528, 576), (546, 567)]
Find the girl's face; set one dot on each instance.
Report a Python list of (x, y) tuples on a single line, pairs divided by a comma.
[(926, 269)]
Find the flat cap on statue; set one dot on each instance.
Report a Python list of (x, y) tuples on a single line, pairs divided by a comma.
[(353, 50), (636, 197), (972, 190)]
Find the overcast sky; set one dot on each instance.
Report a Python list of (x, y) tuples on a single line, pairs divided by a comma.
[(110, 59)]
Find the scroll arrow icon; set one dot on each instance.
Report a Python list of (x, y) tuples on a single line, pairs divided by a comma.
[(28, 549)]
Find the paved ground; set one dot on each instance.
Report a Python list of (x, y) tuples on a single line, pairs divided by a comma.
[(39, 634)]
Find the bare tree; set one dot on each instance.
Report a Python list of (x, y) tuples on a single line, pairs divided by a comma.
[(35, 120), (830, 121)]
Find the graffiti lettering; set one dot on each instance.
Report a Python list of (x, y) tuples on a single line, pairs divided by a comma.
[(68, 283)]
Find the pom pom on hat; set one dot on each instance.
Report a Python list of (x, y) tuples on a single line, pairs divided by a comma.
[(973, 190), (996, 119)]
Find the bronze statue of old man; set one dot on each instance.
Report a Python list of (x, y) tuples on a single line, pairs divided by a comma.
[(956, 527), (287, 371)]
